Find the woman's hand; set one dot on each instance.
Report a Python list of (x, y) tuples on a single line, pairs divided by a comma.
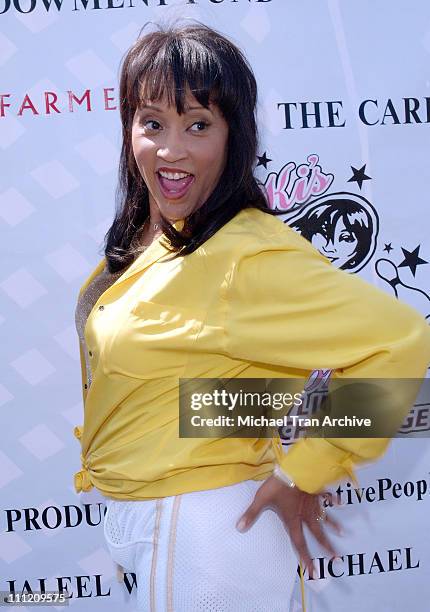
[(296, 508)]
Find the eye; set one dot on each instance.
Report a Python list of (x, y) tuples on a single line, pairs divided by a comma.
[(346, 237), (203, 123), (145, 122)]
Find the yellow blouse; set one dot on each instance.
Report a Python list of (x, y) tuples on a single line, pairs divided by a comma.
[(256, 300)]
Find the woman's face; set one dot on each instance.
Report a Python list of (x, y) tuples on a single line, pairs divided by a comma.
[(166, 143), (341, 248)]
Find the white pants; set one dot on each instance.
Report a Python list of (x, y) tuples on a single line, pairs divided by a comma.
[(188, 555)]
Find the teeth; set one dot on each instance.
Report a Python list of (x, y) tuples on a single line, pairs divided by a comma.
[(175, 176)]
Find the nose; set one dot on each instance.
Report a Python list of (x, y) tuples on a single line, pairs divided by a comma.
[(327, 247), (172, 148)]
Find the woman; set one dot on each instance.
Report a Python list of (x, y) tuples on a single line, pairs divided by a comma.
[(342, 229), (190, 287)]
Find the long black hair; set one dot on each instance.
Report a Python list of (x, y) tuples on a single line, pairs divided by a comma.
[(167, 62)]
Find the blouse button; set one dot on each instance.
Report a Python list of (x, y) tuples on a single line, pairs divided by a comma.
[(90, 353), (101, 307), (85, 386)]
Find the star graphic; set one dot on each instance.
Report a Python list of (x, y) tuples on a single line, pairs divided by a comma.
[(263, 160), (359, 176), (388, 247), (412, 259)]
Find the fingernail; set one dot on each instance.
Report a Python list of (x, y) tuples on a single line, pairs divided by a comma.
[(241, 525)]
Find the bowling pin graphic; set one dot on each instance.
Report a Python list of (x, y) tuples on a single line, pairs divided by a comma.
[(417, 298)]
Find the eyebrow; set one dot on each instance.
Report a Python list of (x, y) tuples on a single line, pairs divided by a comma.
[(187, 108)]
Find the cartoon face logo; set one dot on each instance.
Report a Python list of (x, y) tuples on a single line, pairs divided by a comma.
[(338, 243), (342, 226)]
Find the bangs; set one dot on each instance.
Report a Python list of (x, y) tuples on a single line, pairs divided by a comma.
[(172, 67), (356, 218), (352, 217)]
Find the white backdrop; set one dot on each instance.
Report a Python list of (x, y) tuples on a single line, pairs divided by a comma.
[(344, 112)]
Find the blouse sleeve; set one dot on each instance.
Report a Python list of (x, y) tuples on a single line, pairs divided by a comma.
[(288, 306)]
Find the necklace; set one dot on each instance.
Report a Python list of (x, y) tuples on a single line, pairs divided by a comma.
[(136, 245), (155, 226)]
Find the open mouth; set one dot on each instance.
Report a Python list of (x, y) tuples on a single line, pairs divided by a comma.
[(175, 185)]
